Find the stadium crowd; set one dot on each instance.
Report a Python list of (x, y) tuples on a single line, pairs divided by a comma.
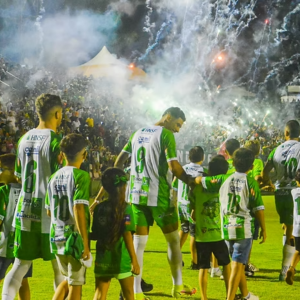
[(100, 116), (72, 124)]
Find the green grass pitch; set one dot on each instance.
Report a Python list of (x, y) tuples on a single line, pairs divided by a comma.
[(156, 269)]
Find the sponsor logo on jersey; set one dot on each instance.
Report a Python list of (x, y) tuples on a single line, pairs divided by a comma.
[(37, 137), (143, 139), (149, 130), (32, 150), (60, 187)]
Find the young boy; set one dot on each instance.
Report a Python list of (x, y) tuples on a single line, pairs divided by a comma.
[(231, 145), (67, 202), (296, 231), (206, 214), (181, 190), (240, 198), (9, 194)]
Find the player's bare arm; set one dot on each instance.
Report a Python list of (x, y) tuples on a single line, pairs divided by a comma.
[(80, 219), (260, 216), (121, 159), (127, 236)]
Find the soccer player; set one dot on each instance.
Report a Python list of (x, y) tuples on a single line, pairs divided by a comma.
[(239, 197), (296, 231), (285, 160), (67, 202), (181, 191), (9, 194), (153, 154), (38, 157), (231, 145)]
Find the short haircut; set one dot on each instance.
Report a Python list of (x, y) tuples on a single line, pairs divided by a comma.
[(232, 145), (293, 128), (196, 154), (218, 165), (72, 144), (175, 112), (8, 161), (45, 102), (253, 146), (297, 176), (243, 160)]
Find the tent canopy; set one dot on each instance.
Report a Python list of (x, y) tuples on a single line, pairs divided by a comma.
[(105, 64)]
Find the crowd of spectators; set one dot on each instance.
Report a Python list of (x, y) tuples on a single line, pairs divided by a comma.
[(92, 109)]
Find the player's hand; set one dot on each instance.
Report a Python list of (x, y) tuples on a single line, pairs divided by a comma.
[(198, 180), (135, 268), (262, 236), (86, 253)]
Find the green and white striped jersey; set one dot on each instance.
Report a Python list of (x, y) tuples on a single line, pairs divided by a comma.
[(296, 219), (150, 179), (37, 159), (239, 197), (67, 187), (286, 160), (9, 195)]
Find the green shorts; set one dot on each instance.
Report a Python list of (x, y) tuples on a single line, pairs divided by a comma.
[(117, 276), (284, 206), (146, 215), (32, 245)]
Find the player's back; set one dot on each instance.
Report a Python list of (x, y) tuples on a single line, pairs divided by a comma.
[(150, 180), (67, 187), (37, 159), (286, 161)]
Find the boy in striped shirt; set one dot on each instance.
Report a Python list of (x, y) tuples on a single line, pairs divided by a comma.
[(240, 200)]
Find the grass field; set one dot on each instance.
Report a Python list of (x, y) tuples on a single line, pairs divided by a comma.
[(156, 270)]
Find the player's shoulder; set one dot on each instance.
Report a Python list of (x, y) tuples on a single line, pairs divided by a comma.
[(295, 192), (81, 175)]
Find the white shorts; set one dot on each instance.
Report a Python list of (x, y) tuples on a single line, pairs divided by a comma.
[(72, 269)]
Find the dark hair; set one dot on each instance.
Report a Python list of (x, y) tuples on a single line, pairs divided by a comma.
[(243, 160), (297, 176), (293, 128), (72, 144), (253, 146), (175, 112), (45, 102), (8, 161), (218, 165), (196, 154), (111, 181), (231, 145)]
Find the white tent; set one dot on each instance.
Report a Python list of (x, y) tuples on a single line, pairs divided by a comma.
[(105, 64)]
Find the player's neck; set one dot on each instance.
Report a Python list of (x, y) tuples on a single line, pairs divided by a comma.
[(291, 139), (75, 164), (47, 125)]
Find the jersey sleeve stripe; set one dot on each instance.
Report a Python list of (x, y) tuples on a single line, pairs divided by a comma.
[(126, 151), (203, 182), (81, 201), (18, 174), (173, 158), (47, 207), (261, 207)]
